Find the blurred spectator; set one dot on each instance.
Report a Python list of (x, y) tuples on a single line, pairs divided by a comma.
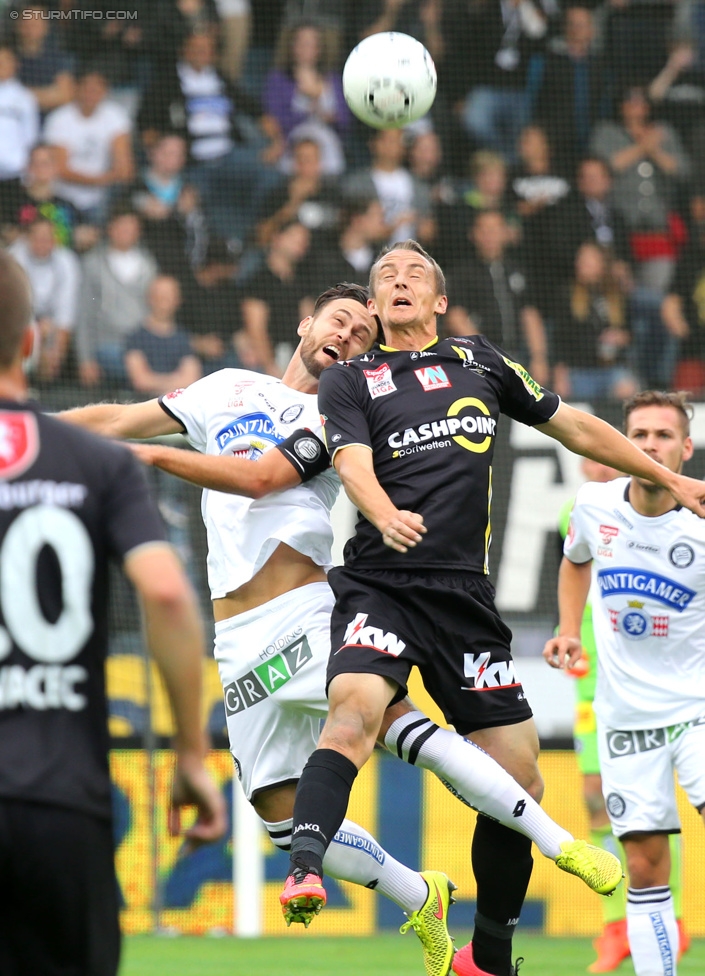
[(488, 293), (307, 196), (537, 189), (158, 355), (649, 163), (362, 231), (405, 200), (426, 163), (636, 33), (232, 145), (489, 45), (54, 273), (19, 127), (590, 214), (683, 308), (43, 66), (235, 35), (419, 18), (591, 336), (37, 197), (463, 199), (176, 20), (211, 311), (678, 91), (271, 304), (91, 140), (304, 93), (113, 303), (572, 94), (173, 225)]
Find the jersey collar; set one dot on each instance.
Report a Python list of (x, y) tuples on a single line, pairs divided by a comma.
[(427, 346)]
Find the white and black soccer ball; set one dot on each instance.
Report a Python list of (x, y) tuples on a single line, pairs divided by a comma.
[(389, 80)]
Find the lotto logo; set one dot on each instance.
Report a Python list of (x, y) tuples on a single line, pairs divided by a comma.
[(432, 378), (357, 632)]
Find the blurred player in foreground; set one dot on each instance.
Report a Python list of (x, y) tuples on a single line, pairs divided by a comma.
[(612, 945), (68, 503), (269, 552), (411, 429), (644, 556)]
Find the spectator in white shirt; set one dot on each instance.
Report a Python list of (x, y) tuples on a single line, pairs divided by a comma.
[(54, 273), (19, 126), (92, 140)]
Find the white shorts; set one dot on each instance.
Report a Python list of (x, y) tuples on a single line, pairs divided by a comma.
[(272, 662), (637, 774)]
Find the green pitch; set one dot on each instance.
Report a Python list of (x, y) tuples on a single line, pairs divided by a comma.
[(384, 955)]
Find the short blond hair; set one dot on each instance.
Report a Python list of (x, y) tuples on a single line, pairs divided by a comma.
[(409, 245)]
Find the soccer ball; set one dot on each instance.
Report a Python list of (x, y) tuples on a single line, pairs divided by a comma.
[(389, 80)]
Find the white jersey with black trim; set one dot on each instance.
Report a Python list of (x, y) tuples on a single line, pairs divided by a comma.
[(243, 414), (648, 607)]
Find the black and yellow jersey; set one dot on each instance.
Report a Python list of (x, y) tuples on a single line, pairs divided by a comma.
[(430, 418)]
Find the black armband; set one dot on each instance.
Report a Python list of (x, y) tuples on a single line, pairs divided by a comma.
[(307, 453)]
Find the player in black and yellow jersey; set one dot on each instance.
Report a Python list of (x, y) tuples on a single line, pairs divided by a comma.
[(411, 428)]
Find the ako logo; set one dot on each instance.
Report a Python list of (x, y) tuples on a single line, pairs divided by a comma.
[(432, 378), (358, 633), (19, 443)]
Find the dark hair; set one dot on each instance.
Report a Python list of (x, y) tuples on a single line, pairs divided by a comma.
[(122, 207), (344, 289), (15, 310), (409, 245), (659, 398)]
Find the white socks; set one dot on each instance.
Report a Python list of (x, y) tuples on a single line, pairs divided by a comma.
[(652, 931), (354, 855), (475, 778)]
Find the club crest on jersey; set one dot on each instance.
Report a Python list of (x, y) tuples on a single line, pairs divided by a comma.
[(19, 443), (358, 633), (652, 586), (635, 623), (681, 555), (379, 381), (432, 378), (486, 676)]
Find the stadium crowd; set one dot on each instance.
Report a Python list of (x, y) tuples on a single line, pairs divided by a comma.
[(180, 178)]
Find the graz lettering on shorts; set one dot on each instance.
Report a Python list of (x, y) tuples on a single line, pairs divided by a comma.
[(279, 644), (267, 678), (489, 677), (42, 687), (635, 741), (661, 588), (358, 633), (428, 436), (252, 424), (361, 844)]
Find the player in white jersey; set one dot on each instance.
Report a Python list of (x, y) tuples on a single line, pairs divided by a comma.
[(269, 549), (642, 559)]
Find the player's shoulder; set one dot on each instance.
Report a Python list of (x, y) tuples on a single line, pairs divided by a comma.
[(98, 458), (598, 495)]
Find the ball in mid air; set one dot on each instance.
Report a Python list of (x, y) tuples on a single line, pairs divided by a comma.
[(389, 80)]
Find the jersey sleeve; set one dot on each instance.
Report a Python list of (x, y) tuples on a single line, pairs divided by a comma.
[(521, 397), (576, 546), (341, 406), (131, 515), (187, 407)]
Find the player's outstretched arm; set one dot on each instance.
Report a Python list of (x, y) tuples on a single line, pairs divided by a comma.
[(400, 530), (175, 638), (563, 650), (237, 476), (122, 420), (594, 438)]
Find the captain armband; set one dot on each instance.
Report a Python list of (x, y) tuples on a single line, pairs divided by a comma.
[(307, 453)]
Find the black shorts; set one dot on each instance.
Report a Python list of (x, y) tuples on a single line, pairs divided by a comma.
[(58, 892), (384, 622)]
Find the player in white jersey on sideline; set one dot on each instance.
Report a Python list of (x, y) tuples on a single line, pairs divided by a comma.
[(269, 549), (642, 558)]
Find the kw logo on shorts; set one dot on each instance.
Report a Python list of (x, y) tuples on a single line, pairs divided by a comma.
[(486, 676), (359, 633), (630, 743), (267, 678)]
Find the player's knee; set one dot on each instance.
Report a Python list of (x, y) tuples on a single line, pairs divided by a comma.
[(350, 732)]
